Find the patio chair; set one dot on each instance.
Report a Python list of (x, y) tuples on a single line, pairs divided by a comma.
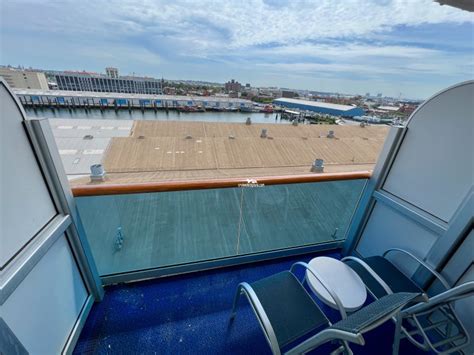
[(433, 325), (289, 316)]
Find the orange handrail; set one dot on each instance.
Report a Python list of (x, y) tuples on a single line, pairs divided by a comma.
[(98, 189)]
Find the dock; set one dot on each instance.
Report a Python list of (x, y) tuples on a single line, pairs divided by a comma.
[(104, 100)]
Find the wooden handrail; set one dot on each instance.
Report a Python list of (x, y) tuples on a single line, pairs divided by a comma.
[(98, 189)]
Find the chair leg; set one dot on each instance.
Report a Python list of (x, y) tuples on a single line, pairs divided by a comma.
[(236, 301), (397, 335)]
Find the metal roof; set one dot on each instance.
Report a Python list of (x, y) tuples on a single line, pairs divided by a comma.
[(389, 108), (78, 154), (316, 104), (186, 150)]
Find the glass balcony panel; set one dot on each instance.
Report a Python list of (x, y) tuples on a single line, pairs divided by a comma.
[(135, 232), (295, 215), (160, 229)]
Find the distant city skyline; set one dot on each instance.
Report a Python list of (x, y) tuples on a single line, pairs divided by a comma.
[(412, 48)]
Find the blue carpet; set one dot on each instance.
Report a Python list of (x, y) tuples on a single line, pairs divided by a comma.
[(188, 314)]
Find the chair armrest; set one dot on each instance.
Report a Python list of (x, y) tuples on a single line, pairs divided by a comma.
[(365, 319), (459, 292), (422, 263), (261, 315), (325, 336), (318, 277)]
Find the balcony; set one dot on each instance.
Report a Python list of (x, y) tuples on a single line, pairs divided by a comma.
[(153, 266), (223, 231)]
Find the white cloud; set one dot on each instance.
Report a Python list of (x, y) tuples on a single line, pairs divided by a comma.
[(244, 23), (253, 22), (316, 38), (352, 50)]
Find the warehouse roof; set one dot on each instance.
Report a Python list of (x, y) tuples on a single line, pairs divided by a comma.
[(167, 150), (78, 154), (315, 104), (388, 108)]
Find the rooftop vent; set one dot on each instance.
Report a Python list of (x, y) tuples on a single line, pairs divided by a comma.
[(318, 166), (248, 122), (264, 133), (88, 137), (97, 172), (330, 134), (141, 137)]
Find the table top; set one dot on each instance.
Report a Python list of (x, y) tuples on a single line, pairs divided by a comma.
[(339, 277)]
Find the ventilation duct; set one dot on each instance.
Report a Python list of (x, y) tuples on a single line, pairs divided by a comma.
[(97, 172), (318, 166)]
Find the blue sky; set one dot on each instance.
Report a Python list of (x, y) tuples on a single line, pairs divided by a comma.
[(408, 47)]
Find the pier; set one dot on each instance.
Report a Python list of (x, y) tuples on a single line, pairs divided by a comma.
[(102, 100)]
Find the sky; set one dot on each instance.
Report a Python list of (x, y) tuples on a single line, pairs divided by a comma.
[(407, 48)]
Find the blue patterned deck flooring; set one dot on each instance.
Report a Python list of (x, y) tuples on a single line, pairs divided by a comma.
[(188, 314)]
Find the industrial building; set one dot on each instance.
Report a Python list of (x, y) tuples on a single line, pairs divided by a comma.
[(112, 72), (24, 79), (289, 94), (112, 82), (233, 85), (320, 107)]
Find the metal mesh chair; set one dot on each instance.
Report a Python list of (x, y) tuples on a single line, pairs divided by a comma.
[(288, 314), (433, 325)]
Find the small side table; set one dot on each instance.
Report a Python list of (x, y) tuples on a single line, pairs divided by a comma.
[(339, 277)]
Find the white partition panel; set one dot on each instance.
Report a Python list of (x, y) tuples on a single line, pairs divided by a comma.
[(387, 227), (425, 180), (26, 205), (42, 290), (434, 166), (44, 308)]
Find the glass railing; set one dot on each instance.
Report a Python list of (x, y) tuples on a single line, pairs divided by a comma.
[(132, 231)]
